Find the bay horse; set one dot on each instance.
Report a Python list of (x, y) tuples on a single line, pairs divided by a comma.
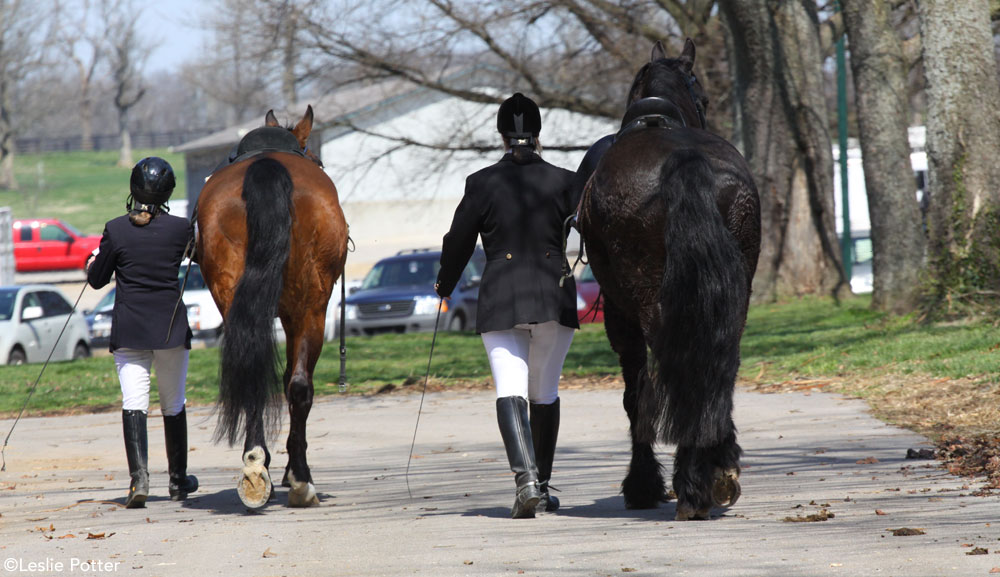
[(272, 242), (671, 221)]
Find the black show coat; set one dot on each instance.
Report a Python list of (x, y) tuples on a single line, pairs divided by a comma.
[(518, 209), (145, 261)]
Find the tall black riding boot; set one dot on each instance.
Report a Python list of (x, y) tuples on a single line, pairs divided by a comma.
[(544, 431), (136, 449), (175, 433), (512, 416)]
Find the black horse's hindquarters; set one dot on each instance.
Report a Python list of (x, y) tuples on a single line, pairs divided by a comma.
[(625, 189)]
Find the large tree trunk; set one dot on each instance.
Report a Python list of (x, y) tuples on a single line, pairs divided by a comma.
[(880, 72), (778, 85), (963, 137)]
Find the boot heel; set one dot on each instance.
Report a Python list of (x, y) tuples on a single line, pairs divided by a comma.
[(526, 501), (138, 491)]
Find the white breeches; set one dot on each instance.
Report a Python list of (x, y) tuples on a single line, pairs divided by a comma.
[(527, 360), (171, 373)]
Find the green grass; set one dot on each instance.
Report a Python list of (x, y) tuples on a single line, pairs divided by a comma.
[(813, 338), (807, 338), (372, 362), (85, 189)]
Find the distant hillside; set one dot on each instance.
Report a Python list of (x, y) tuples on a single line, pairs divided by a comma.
[(85, 189)]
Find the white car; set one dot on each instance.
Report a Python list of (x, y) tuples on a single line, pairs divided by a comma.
[(31, 319), (203, 316)]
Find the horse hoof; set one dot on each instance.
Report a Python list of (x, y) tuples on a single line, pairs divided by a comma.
[(726, 489), (301, 494), (685, 512), (255, 487)]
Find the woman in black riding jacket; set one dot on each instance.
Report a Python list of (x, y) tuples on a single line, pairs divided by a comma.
[(144, 249), (525, 317)]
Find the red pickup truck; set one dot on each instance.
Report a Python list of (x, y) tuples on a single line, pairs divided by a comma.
[(50, 244)]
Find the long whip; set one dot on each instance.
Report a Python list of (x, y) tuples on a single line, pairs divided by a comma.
[(422, 393), (31, 391)]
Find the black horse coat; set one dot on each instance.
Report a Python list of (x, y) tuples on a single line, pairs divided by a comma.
[(518, 209), (145, 261)]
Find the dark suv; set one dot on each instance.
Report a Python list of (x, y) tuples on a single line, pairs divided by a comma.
[(397, 296)]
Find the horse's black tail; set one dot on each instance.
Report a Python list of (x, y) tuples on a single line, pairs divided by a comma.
[(250, 386), (703, 309)]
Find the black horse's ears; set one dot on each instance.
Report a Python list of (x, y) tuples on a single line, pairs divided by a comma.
[(687, 56), (270, 119), (304, 127), (658, 52)]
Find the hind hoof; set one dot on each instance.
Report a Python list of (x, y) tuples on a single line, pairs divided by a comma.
[(686, 512), (301, 494), (726, 490), (254, 487)]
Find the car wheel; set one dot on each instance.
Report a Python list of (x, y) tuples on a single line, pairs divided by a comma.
[(81, 351), (17, 357), (457, 323)]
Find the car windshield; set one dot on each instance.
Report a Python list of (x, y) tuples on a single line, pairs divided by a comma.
[(7, 297), (195, 280), (107, 301), (420, 270), (72, 229)]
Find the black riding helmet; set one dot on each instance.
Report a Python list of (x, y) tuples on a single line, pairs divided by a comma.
[(152, 181), (519, 118)]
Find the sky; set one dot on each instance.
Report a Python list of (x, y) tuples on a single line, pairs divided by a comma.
[(172, 26)]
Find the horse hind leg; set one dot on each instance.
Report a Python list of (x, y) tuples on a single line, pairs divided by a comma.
[(302, 492), (304, 352), (643, 486)]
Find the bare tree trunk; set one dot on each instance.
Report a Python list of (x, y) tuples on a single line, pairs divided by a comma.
[(778, 108), (963, 140), (801, 81), (880, 71), (7, 179), (125, 152)]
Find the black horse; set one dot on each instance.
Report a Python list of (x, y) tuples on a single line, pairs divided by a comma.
[(671, 219)]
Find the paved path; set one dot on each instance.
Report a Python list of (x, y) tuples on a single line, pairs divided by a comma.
[(802, 455)]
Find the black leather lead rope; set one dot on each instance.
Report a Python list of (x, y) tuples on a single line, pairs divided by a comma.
[(422, 393)]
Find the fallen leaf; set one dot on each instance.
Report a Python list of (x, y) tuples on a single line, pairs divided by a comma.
[(99, 535), (867, 461), (268, 553), (979, 551), (906, 532), (823, 515), (995, 570), (467, 562), (67, 536), (880, 512), (628, 570), (836, 564)]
